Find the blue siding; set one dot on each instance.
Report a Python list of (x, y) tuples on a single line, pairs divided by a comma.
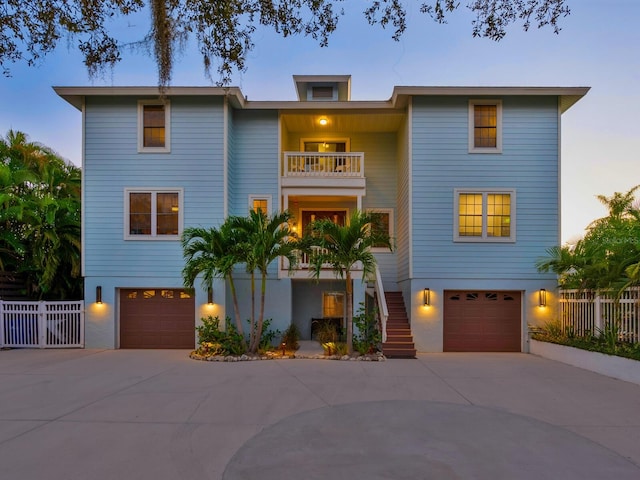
[(381, 170), (255, 159), (231, 148), (441, 163), (403, 236), (112, 163)]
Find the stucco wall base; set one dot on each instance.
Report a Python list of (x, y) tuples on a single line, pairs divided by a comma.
[(611, 366)]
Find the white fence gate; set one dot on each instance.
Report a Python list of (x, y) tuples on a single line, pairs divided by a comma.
[(586, 312), (42, 324)]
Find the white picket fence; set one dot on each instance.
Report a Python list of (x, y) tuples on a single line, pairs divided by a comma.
[(42, 324), (586, 312)]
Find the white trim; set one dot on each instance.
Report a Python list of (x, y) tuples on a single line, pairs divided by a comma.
[(167, 126), (225, 160), (83, 191), (268, 198), (498, 147), (154, 192), (391, 231), (559, 176), (410, 186), (484, 238)]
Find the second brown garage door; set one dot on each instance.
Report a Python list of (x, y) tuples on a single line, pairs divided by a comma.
[(482, 321), (156, 318)]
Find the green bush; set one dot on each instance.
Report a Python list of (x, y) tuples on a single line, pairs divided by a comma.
[(290, 337), (327, 333), (267, 336), (213, 341), (606, 340), (368, 337)]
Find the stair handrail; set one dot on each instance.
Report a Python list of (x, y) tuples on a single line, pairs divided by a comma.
[(383, 311)]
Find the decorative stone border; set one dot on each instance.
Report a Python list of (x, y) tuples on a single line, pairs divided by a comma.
[(376, 357), (616, 367)]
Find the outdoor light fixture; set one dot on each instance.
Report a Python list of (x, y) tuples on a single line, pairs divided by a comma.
[(542, 297), (210, 296), (426, 297), (99, 294), (323, 121)]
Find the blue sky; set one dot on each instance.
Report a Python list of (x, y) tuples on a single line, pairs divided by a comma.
[(598, 47)]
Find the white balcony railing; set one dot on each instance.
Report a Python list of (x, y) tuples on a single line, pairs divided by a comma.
[(304, 261), (325, 164)]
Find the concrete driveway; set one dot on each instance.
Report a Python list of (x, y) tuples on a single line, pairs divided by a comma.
[(122, 414)]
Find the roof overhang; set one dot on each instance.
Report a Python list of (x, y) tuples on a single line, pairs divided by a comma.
[(567, 95), (75, 95)]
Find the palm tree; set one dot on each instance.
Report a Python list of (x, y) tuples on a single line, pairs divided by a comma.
[(346, 248), (601, 259), (262, 240), (40, 217), (212, 253), (620, 205)]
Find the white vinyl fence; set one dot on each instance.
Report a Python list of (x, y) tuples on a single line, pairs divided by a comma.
[(42, 324), (586, 312)]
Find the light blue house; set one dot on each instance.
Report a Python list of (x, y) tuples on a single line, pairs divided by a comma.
[(466, 178)]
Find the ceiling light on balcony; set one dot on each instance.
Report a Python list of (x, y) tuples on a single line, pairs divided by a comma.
[(323, 121)]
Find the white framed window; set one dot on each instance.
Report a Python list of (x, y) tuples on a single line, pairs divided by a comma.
[(484, 215), (153, 213), (385, 217), (485, 126), (154, 126), (260, 202)]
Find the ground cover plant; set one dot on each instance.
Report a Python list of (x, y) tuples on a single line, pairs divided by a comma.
[(607, 340)]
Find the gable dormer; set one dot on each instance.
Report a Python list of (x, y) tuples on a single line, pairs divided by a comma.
[(323, 88)]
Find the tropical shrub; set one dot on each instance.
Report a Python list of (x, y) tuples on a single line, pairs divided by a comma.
[(368, 337), (290, 337), (214, 341), (40, 218), (606, 340), (608, 256)]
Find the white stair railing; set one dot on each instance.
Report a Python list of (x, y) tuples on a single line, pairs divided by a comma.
[(383, 311)]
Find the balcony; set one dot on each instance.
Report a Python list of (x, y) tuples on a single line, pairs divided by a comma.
[(323, 169), (302, 269)]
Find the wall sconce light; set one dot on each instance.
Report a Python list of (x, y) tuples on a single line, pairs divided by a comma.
[(426, 297), (210, 296), (542, 297), (99, 295)]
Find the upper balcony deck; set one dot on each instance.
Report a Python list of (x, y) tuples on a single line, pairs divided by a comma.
[(320, 169)]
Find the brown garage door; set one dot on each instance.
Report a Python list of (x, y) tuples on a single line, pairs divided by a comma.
[(156, 318), (482, 321)]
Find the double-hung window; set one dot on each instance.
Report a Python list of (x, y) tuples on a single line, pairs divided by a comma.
[(485, 215), (154, 126), (153, 214), (485, 126)]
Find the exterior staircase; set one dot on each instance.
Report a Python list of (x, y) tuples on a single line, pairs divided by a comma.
[(399, 342)]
